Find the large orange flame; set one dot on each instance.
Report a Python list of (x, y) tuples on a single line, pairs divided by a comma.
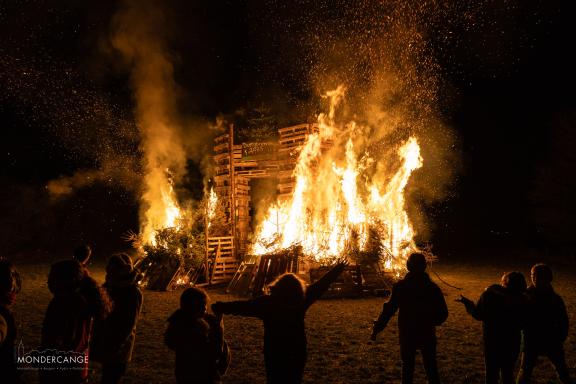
[(163, 210), (334, 200)]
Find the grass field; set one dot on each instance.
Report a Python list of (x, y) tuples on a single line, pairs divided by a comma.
[(339, 350)]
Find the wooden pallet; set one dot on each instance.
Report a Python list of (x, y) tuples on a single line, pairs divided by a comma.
[(259, 150), (256, 272), (221, 138), (298, 130), (222, 260), (221, 147), (223, 270), (185, 277), (356, 280), (244, 276), (273, 265), (223, 244), (256, 173)]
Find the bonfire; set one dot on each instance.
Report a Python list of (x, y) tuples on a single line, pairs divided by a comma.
[(340, 196)]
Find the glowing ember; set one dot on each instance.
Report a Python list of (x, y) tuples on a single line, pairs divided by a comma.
[(336, 199)]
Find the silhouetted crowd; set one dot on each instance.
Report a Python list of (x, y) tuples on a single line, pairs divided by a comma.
[(86, 319)]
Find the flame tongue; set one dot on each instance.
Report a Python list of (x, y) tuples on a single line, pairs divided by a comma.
[(389, 206), (211, 207), (163, 210), (331, 205)]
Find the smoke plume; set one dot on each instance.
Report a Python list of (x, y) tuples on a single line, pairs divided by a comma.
[(137, 34)]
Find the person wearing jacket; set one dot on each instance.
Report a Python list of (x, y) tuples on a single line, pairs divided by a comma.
[(197, 337), (67, 324), (283, 311), (114, 336), (546, 326), (421, 308), (501, 308)]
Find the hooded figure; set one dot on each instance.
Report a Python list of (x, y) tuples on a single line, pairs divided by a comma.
[(114, 336), (421, 307), (9, 288), (283, 312), (501, 308), (546, 326)]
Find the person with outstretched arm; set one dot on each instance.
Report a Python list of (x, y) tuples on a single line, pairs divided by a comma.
[(283, 311), (501, 309)]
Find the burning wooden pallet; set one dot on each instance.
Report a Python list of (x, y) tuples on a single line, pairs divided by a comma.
[(242, 279), (292, 140), (255, 272), (356, 280)]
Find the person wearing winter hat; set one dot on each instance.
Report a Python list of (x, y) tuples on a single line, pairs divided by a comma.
[(114, 337)]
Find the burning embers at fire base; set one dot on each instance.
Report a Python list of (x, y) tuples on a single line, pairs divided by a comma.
[(343, 198)]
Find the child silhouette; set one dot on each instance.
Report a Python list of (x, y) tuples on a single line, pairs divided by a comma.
[(202, 355)]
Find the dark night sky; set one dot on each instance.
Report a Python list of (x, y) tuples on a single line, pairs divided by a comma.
[(508, 92)]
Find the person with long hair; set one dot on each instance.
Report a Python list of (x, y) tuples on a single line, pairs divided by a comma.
[(283, 310), (77, 300), (114, 336)]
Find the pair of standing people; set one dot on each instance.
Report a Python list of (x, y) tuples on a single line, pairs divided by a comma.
[(509, 311), (83, 316), (197, 337)]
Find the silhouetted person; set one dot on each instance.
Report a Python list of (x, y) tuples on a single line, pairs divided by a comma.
[(283, 311), (202, 355), (95, 294), (67, 322), (114, 336), (9, 288), (82, 254), (421, 308), (546, 326), (501, 308)]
